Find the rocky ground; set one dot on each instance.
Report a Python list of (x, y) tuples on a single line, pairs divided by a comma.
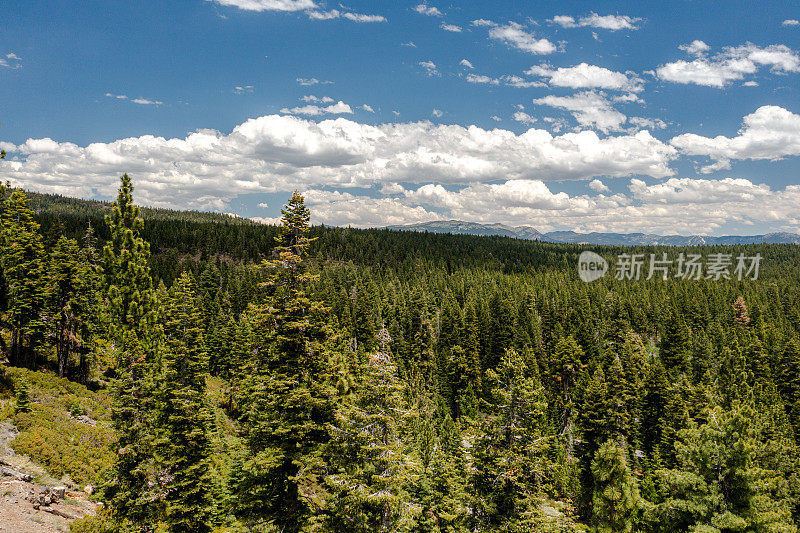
[(30, 500)]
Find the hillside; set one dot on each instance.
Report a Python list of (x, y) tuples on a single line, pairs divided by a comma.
[(465, 381), (58, 205), (458, 227)]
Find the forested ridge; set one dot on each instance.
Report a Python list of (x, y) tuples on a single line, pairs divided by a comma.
[(373, 380)]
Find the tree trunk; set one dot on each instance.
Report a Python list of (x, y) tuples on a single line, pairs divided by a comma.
[(61, 351), (13, 354), (83, 367), (30, 354)]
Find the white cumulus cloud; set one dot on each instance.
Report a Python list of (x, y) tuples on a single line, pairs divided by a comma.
[(430, 67), (509, 80), (324, 15), (207, 168), (679, 205), (586, 76), (268, 5), (695, 47), (599, 186), (482, 79), (514, 35), (770, 132), (146, 101), (11, 60), (731, 64), (593, 20), (339, 108), (648, 123), (523, 117), (321, 100), (360, 17), (424, 9), (311, 81), (590, 109)]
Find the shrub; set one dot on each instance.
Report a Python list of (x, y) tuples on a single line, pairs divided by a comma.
[(51, 436), (22, 404), (99, 523)]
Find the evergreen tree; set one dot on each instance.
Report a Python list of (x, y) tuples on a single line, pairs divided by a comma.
[(22, 258), (788, 381), (183, 420), (367, 458), (596, 414), (22, 402), (90, 308), (507, 453), (734, 378), (595, 420), (654, 403), (72, 300), (131, 487), (439, 486), (129, 287), (620, 406), (676, 345), (758, 361), (717, 485), (463, 378), (635, 365), (675, 417), (616, 496), (567, 368), (290, 397)]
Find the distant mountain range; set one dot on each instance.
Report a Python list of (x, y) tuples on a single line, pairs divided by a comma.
[(614, 239)]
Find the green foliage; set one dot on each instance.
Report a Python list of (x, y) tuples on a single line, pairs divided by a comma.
[(718, 484), (616, 496), (289, 397), (788, 381), (675, 348), (22, 403), (183, 421), (73, 299), (50, 435), (508, 460), (567, 368), (132, 486), (102, 522), (22, 259), (125, 265), (507, 374), (440, 486), (367, 459)]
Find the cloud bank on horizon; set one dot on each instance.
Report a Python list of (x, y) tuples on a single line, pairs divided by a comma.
[(524, 120)]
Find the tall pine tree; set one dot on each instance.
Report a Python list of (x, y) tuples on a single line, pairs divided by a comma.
[(507, 453), (367, 457), (131, 488), (22, 259), (616, 496), (183, 421), (290, 398), (717, 485)]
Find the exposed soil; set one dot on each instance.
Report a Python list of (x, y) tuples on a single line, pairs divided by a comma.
[(17, 514)]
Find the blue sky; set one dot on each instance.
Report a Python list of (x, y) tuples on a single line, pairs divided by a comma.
[(670, 117)]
